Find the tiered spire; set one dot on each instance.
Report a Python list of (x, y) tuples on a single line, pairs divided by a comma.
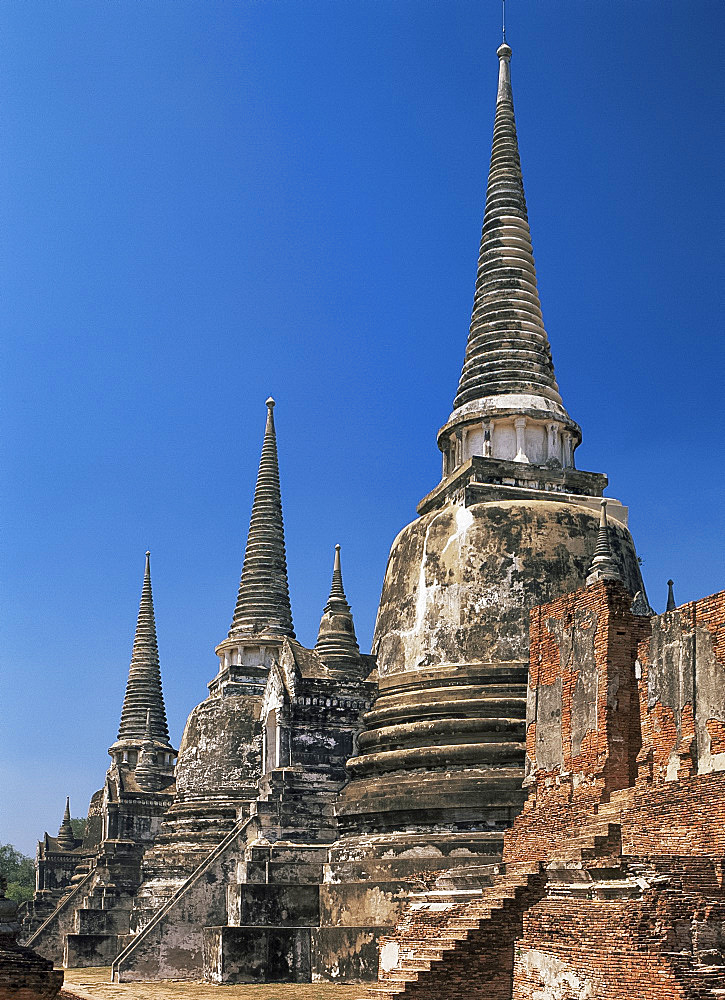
[(66, 840), (508, 406), (263, 604), (336, 641), (604, 565), (508, 349), (144, 698)]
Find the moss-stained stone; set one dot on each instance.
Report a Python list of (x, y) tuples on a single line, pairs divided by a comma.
[(460, 581), (443, 748)]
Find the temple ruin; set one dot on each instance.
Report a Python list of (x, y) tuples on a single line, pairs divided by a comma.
[(518, 793)]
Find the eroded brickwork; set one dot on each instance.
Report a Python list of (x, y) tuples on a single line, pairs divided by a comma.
[(625, 815)]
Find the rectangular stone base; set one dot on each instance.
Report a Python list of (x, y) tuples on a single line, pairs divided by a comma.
[(85, 951), (273, 905), (346, 954), (257, 954)]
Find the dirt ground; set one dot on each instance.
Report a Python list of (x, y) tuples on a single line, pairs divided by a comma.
[(95, 984)]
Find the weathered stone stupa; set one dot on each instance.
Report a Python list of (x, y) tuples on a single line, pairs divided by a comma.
[(220, 757), (313, 786), (80, 914), (512, 524)]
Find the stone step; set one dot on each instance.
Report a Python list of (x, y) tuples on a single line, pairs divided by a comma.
[(399, 976), (282, 873), (713, 975), (442, 758), (273, 905), (290, 852), (434, 732), (504, 885), (425, 946), (506, 799), (416, 964), (460, 676), (403, 869), (379, 992), (419, 699)]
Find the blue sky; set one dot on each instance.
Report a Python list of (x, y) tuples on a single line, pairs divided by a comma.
[(205, 203)]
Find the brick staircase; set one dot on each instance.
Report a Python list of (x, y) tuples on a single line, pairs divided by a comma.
[(464, 930), (443, 927), (707, 982)]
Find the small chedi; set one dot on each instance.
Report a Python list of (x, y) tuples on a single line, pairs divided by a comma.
[(520, 793)]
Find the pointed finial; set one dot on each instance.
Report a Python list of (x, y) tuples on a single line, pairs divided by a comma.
[(604, 565), (148, 555), (66, 840), (336, 591), (671, 605), (270, 403), (603, 514), (336, 642), (503, 21)]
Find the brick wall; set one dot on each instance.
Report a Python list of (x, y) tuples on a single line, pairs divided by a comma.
[(685, 817), (617, 701), (625, 752), (583, 732), (682, 692), (608, 950)]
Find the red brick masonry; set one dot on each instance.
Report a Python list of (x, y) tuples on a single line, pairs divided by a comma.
[(614, 885)]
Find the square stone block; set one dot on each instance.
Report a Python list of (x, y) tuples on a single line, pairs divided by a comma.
[(256, 954)]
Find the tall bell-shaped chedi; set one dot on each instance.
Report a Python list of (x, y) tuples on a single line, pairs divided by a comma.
[(123, 820), (143, 716), (220, 754), (220, 757), (512, 524)]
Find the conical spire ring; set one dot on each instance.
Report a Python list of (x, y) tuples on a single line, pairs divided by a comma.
[(263, 604), (508, 349), (144, 698)]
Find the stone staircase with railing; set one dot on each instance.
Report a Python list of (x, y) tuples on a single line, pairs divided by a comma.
[(101, 928), (169, 946), (189, 833)]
